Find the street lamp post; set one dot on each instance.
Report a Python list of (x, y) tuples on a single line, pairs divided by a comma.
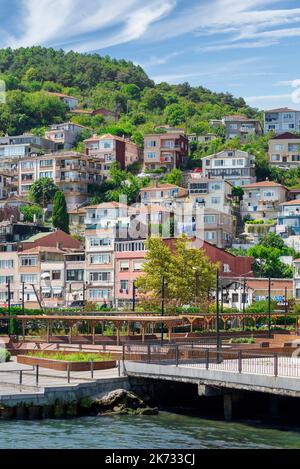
[(244, 302), (162, 305), (217, 312), (23, 297), (133, 296), (9, 304), (269, 308)]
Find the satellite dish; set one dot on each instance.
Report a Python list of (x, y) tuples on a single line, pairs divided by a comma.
[(45, 276)]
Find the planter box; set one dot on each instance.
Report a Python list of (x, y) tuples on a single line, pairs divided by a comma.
[(60, 365)]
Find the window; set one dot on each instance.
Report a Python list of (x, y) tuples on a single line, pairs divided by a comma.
[(99, 294), (56, 274), (295, 157), (235, 297), (216, 187), (216, 200), (45, 163), (96, 242), (151, 144), (124, 285), (75, 275), (6, 264), (151, 155), (106, 144), (100, 259), (100, 276), (208, 219), (28, 261), (226, 268), (27, 165), (279, 147), (268, 194), (4, 279), (138, 266), (275, 157), (124, 266), (210, 235), (219, 162), (29, 278), (46, 174)]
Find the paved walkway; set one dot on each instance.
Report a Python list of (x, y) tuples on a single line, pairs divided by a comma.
[(285, 366), (10, 378)]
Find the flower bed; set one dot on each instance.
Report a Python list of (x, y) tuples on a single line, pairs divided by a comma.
[(64, 361)]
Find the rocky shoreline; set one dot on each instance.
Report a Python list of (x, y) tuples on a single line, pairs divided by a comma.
[(117, 402)]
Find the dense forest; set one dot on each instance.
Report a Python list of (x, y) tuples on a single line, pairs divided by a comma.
[(102, 82)]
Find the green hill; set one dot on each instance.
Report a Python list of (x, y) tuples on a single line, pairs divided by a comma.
[(102, 82)]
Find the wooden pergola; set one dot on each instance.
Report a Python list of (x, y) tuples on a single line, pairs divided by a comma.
[(119, 321)]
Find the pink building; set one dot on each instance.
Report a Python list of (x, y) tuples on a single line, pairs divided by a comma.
[(129, 259)]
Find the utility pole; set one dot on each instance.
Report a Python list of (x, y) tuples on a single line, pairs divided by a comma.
[(9, 304), (244, 302), (218, 313), (162, 305), (285, 304), (197, 286), (133, 296), (23, 297), (269, 308)]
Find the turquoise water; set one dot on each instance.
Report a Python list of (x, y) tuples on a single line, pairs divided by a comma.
[(166, 430)]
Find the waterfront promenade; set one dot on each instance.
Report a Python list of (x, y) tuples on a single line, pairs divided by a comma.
[(20, 384)]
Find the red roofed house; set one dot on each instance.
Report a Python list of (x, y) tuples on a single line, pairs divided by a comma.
[(262, 200)]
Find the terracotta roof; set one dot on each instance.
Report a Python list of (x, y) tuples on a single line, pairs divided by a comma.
[(264, 184), (286, 136), (282, 109), (78, 211), (163, 187), (40, 249), (108, 205), (263, 283), (239, 117), (292, 202)]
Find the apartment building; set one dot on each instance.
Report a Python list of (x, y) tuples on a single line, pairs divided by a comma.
[(210, 193), (242, 127), (64, 135), (5, 186), (234, 166), (70, 101), (262, 200), (164, 195), (282, 120), (108, 149), (9, 274), (70, 171), (195, 138), (208, 225), (167, 150), (284, 150), (288, 223)]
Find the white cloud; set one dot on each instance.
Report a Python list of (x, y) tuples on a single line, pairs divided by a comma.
[(75, 23)]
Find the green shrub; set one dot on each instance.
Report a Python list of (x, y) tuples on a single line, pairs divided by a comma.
[(73, 357), (5, 355)]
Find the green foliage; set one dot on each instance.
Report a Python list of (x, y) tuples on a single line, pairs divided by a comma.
[(60, 216), (188, 272), (72, 357), (174, 177), (31, 212), (238, 193), (242, 340), (5, 355), (261, 307), (42, 191)]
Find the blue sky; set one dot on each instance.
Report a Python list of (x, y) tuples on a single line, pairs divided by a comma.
[(247, 47)]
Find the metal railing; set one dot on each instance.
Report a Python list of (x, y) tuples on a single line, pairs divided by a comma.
[(282, 364)]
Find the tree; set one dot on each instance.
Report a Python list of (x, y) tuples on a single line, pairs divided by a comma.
[(238, 193), (153, 100), (125, 184), (187, 271), (268, 263), (31, 213), (42, 191), (272, 240), (175, 114), (60, 216), (174, 177)]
